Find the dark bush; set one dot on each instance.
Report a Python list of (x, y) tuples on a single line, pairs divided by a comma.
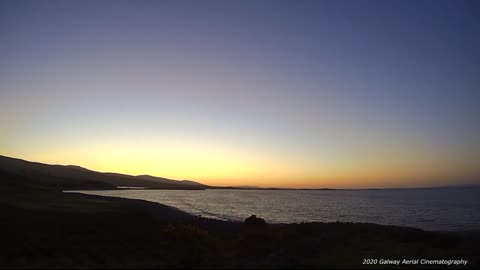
[(254, 220)]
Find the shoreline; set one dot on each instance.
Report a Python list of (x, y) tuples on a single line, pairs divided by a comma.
[(46, 228), (236, 219)]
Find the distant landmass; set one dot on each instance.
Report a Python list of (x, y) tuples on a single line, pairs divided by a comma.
[(71, 177), (76, 177)]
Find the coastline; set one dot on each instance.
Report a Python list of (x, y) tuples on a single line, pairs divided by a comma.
[(299, 206), (44, 228)]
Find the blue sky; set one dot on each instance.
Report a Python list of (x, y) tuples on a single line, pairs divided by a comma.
[(279, 93)]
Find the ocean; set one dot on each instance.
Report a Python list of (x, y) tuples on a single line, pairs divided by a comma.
[(445, 209)]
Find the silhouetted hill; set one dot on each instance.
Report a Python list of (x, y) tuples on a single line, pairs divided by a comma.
[(76, 177), (167, 181)]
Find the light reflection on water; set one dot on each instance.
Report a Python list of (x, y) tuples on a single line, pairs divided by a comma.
[(431, 209)]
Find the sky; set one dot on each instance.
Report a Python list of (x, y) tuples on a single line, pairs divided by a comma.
[(311, 94)]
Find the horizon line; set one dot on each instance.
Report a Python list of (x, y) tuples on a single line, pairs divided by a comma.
[(247, 187)]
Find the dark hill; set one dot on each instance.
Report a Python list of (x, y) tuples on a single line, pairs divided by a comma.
[(76, 177)]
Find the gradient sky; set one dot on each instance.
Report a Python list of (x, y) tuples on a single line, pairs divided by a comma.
[(266, 93)]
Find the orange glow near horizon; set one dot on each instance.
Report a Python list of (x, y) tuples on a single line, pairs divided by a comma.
[(234, 167)]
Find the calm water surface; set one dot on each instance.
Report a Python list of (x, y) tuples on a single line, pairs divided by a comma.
[(431, 209)]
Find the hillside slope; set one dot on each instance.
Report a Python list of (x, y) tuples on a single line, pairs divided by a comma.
[(71, 176)]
